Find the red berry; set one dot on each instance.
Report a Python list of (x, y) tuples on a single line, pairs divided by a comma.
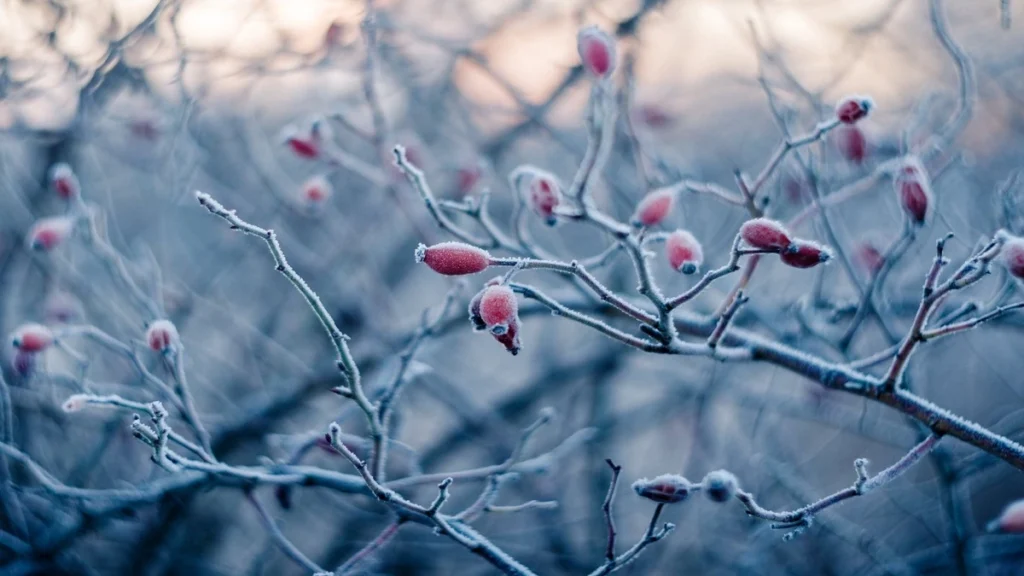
[(305, 143), (1011, 520), (805, 254), (316, 191), (510, 338), (47, 233), (654, 207), (765, 234), (869, 257), (851, 143), (466, 179), (32, 338), (665, 489), (474, 305), (64, 181), (597, 51), (684, 252), (23, 363), (653, 116), (453, 258), (162, 336), (913, 191), (852, 108), (1012, 255), (498, 308), (540, 190)]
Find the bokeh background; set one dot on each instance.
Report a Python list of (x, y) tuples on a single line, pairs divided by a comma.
[(149, 102)]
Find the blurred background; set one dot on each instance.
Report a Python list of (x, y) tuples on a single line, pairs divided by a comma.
[(150, 101)]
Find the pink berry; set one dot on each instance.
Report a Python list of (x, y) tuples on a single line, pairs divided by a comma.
[(851, 143), (765, 234), (47, 233), (316, 191), (453, 258), (474, 305), (684, 252), (334, 33), (1012, 255), (305, 143), (540, 190), (597, 51), (653, 116), (654, 207), (805, 254), (64, 181), (852, 108), (869, 257), (1011, 520), (498, 308), (665, 489), (914, 191), (510, 338), (162, 336), (23, 363), (32, 338), (466, 179)]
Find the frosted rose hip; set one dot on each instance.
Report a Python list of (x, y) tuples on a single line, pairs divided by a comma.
[(654, 207), (64, 181), (869, 257), (914, 191), (1011, 520), (805, 254), (540, 190), (1012, 255), (453, 258), (162, 336), (852, 108), (316, 191), (498, 308), (47, 233), (474, 305), (765, 234), (720, 485), (32, 338), (851, 143), (597, 51), (510, 339), (665, 489), (684, 252)]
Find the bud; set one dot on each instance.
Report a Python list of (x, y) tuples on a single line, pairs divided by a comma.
[(654, 207), (474, 305), (851, 143), (597, 51), (75, 403), (64, 181), (1012, 256), (684, 252), (510, 339), (1011, 520), (498, 308), (765, 234), (852, 108), (665, 489), (914, 191), (540, 191), (720, 485), (453, 258), (162, 336), (805, 254), (32, 338), (316, 191), (47, 233)]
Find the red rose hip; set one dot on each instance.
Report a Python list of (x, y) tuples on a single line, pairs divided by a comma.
[(765, 234), (654, 207), (453, 258), (684, 252)]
